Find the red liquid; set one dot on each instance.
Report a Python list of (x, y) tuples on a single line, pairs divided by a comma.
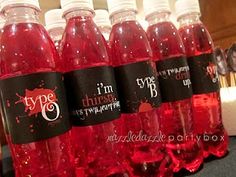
[(206, 107), (35, 54), (177, 116), (83, 46), (129, 44)]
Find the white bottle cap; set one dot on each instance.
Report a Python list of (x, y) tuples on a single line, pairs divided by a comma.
[(102, 17), (70, 5), (54, 19), (115, 6), (153, 6), (184, 7), (31, 3), (1, 3)]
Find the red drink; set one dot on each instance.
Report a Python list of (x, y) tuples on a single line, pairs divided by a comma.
[(206, 99), (32, 93), (91, 93), (131, 56), (169, 55)]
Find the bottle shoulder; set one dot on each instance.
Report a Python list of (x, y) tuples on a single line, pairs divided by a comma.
[(165, 41), (196, 38), (27, 48), (83, 45), (129, 42)]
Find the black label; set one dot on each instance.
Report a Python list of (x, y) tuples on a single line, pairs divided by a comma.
[(138, 87), (34, 107), (204, 76), (92, 96), (174, 78)]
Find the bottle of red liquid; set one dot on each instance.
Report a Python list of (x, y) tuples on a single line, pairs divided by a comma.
[(55, 25), (102, 21), (92, 94), (206, 99), (175, 86), (33, 94), (138, 87), (5, 137)]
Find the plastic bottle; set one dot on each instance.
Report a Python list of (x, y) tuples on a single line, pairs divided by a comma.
[(55, 25), (173, 71), (102, 21), (206, 100), (33, 94), (92, 94), (138, 86)]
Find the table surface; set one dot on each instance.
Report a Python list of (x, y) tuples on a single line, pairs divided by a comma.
[(224, 167)]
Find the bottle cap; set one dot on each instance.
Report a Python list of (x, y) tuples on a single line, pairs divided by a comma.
[(153, 6), (70, 5), (102, 17), (184, 7), (31, 3), (54, 19), (115, 6), (2, 21)]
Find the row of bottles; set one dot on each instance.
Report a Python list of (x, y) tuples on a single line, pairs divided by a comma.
[(111, 83)]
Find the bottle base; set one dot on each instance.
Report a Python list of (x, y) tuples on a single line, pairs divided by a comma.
[(217, 145), (188, 155), (160, 168)]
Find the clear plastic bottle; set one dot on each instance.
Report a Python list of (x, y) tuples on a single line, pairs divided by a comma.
[(139, 92), (206, 99), (92, 94), (33, 94), (102, 21), (55, 25), (173, 70)]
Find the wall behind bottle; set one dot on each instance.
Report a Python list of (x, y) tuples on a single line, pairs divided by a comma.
[(220, 18)]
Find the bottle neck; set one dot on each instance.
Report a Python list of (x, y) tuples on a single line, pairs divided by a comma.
[(105, 30), (56, 33), (21, 15), (123, 17), (79, 13), (158, 18), (189, 19)]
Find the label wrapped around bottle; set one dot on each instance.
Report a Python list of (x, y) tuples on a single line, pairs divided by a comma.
[(92, 95), (204, 76), (138, 87), (34, 107), (174, 78)]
